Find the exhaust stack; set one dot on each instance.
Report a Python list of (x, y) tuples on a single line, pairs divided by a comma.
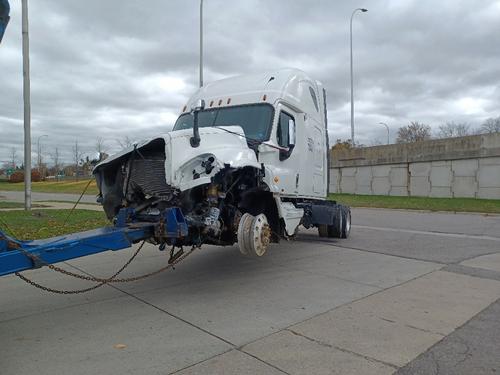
[(200, 106)]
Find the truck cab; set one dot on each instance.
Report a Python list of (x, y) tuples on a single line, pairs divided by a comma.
[(285, 109), (246, 162)]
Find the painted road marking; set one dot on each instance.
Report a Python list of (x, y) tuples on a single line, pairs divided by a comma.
[(442, 234)]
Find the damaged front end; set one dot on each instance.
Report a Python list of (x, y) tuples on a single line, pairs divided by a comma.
[(212, 185)]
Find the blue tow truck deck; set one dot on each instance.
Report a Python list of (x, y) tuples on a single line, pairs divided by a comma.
[(16, 256)]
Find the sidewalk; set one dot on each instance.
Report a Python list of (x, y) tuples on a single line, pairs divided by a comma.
[(59, 206), (18, 196)]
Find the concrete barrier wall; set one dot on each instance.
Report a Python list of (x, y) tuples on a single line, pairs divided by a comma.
[(462, 167)]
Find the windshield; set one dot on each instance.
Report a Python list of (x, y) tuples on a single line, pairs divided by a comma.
[(255, 120)]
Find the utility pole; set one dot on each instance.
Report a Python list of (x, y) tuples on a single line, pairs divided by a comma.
[(352, 84), (201, 43), (27, 107)]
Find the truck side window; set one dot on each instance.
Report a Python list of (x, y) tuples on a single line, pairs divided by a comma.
[(283, 137), (314, 99)]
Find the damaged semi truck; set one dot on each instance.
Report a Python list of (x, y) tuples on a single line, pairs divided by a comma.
[(247, 162)]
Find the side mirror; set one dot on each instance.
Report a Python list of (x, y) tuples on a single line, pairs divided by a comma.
[(198, 106), (195, 109), (291, 132)]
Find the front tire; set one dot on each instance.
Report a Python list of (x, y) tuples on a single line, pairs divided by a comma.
[(254, 235)]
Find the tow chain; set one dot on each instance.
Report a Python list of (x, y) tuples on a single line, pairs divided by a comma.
[(101, 281)]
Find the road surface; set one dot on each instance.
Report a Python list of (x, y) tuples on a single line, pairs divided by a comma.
[(408, 293)]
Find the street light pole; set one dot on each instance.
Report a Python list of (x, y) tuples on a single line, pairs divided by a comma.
[(39, 151), (27, 107), (352, 84), (201, 43), (387, 127)]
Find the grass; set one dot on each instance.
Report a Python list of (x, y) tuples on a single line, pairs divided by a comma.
[(37, 224), (71, 202), (41, 223), (420, 203), (69, 187), (18, 205)]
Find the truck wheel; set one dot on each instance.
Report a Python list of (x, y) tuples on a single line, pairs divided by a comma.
[(254, 235), (346, 222), (244, 228), (323, 230), (334, 230)]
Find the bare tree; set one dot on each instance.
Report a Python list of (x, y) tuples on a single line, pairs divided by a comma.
[(77, 156), (342, 145), (125, 142), (100, 147), (454, 129), (13, 157), (414, 132), (491, 125), (56, 158)]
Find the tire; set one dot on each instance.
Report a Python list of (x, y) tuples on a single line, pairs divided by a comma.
[(244, 229), (261, 236), (334, 230), (346, 222), (254, 235), (323, 230)]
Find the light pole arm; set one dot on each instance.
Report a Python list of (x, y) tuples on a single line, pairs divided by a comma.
[(387, 127)]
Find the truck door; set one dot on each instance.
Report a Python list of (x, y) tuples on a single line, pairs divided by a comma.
[(301, 163), (287, 137), (298, 168)]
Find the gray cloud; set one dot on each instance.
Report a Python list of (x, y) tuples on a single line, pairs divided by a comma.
[(114, 68)]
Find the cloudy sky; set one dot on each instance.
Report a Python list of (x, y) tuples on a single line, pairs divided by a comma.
[(118, 68)]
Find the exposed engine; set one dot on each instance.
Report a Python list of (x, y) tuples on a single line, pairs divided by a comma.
[(212, 211)]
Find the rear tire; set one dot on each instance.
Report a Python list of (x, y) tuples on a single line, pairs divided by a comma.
[(323, 230), (334, 230), (346, 222)]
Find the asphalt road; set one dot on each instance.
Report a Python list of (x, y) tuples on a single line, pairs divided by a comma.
[(408, 293)]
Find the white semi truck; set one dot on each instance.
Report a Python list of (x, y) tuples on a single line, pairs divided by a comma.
[(247, 161)]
